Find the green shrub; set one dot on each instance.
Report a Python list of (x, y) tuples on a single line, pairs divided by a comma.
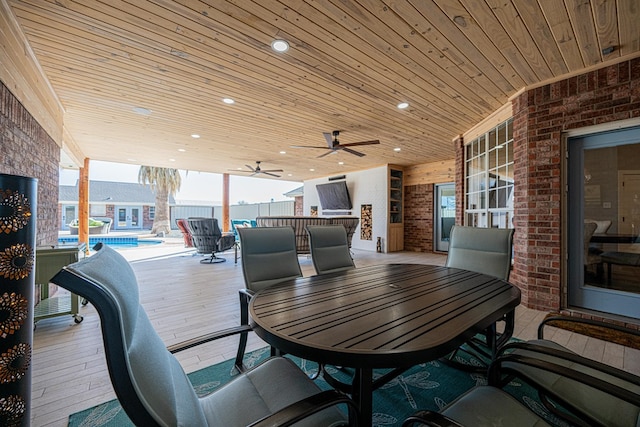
[(92, 223)]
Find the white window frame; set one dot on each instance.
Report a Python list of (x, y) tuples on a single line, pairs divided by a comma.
[(489, 184)]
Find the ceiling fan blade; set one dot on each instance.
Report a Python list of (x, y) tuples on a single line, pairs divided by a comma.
[(349, 150), (327, 153), (271, 170), (307, 146), (271, 174), (327, 136), (252, 169), (351, 144)]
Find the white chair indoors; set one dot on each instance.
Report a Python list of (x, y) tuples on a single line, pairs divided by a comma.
[(329, 248), (150, 383)]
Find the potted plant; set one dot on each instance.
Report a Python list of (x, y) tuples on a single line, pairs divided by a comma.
[(95, 226)]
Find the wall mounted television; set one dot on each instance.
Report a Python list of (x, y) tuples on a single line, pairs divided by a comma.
[(334, 196)]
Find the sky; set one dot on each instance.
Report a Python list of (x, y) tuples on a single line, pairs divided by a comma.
[(196, 186)]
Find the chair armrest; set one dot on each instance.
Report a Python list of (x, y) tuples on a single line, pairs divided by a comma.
[(303, 408), (245, 296), (430, 418), (507, 364), (194, 342), (597, 329)]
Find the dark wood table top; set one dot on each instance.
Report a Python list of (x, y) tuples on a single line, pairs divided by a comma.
[(382, 316)]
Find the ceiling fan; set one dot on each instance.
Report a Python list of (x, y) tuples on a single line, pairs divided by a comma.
[(257, 170), (333, 145)]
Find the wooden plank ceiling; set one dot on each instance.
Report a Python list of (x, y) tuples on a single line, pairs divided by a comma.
[(350, 63)]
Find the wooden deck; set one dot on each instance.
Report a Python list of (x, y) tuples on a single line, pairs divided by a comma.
[(184, 299)]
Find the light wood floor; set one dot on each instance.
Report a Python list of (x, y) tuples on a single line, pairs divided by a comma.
[(184, 299)]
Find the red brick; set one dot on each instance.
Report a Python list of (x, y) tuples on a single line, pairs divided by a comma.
[(26, 149)]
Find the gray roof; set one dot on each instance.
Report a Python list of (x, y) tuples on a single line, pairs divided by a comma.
[(112, 193), (295, 192)]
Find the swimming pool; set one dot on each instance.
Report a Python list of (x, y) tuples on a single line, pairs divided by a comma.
[(114, 242)]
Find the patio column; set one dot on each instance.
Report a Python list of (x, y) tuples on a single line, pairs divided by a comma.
[(225, 202), (83, 205)]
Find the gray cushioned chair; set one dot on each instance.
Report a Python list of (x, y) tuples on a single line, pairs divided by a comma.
[(329, 248), (576, 389), (486, 251), (612, 399), (268, 257), (150, 383), (482, 406), (208, 239)]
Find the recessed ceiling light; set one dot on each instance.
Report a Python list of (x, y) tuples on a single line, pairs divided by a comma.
[(403, 105), (182, 150), (228, 101), (280, 45), (172, 160), (289, 174), (341, 163), (283, 152), (396, 149), (312, 170), (195, 135), (142, 111)]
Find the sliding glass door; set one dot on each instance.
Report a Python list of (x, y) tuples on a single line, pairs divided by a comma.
[(604, 222), (445, 210)]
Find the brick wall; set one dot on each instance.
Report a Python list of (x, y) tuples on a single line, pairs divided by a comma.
[(27, 150), (298, 206), (418, 217), (540, 116)]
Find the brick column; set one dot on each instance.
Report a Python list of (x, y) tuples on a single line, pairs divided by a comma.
[(458, 145)]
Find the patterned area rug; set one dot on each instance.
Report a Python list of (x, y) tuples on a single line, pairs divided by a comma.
[(430, 385)]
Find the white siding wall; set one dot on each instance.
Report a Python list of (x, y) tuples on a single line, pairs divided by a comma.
[(367, 187)]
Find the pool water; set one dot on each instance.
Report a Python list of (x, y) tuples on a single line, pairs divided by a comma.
[(114, 242)]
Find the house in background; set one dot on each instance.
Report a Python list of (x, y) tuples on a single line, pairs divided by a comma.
[(130, 205)]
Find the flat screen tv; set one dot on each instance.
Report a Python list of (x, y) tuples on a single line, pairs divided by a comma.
[(334, 196)]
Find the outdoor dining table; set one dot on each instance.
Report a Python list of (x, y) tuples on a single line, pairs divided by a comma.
[(382, 316)]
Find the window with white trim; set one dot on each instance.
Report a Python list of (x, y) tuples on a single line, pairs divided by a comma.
[(489, 178)]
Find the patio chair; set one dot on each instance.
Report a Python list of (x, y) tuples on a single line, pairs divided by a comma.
[(268, 257), (597, 403), (578, 390), (480, 406), (329, 248), (208, 239), (150, 383), (486, 251), (186, 234)]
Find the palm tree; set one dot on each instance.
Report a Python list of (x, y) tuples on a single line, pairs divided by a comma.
[(164, 182)]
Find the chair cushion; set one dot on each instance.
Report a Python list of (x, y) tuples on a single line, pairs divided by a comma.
[(609, 410), (268, 256), (265, 389), (329, 248), (601, 226), (489, 406), (161, 384), (483, 250)]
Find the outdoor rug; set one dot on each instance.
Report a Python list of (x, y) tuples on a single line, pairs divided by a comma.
[(431, 385)]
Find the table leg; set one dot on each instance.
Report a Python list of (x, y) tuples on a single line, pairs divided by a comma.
[(363, 394)]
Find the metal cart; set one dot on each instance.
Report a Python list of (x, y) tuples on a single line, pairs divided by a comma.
[(49, 260)]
